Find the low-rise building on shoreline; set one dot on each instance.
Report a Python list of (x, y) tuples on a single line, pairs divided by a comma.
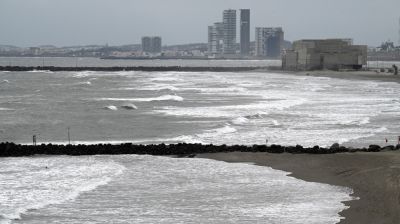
[(332, 54)]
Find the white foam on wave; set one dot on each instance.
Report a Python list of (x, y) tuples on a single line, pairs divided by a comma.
[(225, 90), (275, 122), (165, 79), (40, 71), (94, 74), (5, 81), (87, 83), (155, 87), (33, 183), (230, 111), (83, 74), (111, 107), (5, 109), (240, 120), (160, 98)]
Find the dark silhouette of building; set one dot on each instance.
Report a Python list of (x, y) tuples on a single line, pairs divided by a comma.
[(151, 44), (245, 31), (269, 42)]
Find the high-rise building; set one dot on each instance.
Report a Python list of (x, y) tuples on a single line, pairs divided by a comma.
[(229, 24), (157, 45), (146, 44), (151, 44), (269, 42), (399, 33), (245, 31), (215, 39)]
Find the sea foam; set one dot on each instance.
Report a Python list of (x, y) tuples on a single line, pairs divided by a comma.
[(33, 183), (160, 98)]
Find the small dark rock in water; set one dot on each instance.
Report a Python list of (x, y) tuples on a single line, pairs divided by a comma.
[(335, 146), (389, 148), (374, 148)]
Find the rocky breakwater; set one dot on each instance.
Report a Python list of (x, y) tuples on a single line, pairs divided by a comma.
[(182, 149), (137, 68)]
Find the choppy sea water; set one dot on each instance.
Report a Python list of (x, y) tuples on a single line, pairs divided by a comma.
[(204, 107), (155, 107), (146, 189)]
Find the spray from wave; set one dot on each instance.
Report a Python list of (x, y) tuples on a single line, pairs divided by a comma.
[(160, 98)]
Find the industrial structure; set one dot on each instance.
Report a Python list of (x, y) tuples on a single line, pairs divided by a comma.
[(269, 42), (332, 54), (245, 31), (151, 45)]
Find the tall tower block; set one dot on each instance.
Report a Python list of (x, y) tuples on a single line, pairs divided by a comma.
[(245, 31), (399, 33), (229, 23)]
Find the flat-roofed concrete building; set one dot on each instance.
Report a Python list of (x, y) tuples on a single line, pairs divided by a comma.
[(244, 31), (332, 54), (229, 23), (151, 44), (269, 42), (215, 39)]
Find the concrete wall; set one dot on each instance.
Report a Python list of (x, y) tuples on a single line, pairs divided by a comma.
[(326, 54)]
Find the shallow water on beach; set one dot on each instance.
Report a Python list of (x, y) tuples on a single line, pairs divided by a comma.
[(147, 189), (203, 107)]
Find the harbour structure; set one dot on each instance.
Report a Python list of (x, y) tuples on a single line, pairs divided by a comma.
[(245, 31), (229, 24), (331, 54), (151, 44), (215, 39), (269, 41)]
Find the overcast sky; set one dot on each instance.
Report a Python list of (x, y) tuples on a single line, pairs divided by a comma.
[(116, 22)]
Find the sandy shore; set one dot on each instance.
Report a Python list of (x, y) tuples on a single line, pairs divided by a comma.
[(374, 177), (353, 75)]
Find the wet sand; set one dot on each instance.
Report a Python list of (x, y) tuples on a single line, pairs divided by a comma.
[(374, 177), (353, 75)]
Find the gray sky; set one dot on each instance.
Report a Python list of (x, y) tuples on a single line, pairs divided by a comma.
[(117, 22)]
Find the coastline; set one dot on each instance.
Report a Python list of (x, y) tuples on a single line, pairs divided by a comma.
[(374, 178), (349, 75)]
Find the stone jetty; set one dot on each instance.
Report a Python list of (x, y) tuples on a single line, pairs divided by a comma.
[(182, 149)]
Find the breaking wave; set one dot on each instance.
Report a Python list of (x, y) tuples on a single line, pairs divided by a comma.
[(114, 108), (160, 98), (38, 186), (129, 106)]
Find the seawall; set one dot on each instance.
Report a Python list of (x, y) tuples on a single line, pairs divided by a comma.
[(136, 68)]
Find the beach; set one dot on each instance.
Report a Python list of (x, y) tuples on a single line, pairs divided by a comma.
[(374, 177), (353, 75)]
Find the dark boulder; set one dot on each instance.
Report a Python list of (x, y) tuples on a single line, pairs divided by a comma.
[(374, 148), (335, 146), (388, 148)]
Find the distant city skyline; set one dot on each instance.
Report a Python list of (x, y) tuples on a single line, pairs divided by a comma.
[(73, 22)]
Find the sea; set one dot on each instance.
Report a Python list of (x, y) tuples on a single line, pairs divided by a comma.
[(171, 107)]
